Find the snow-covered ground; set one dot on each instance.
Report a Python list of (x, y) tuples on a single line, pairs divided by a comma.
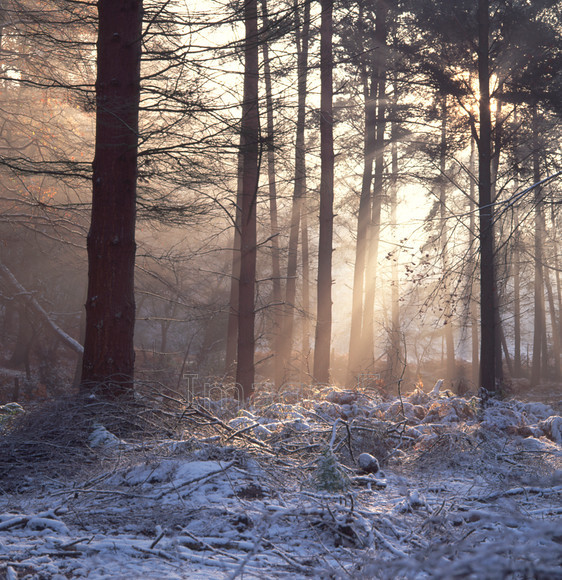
[(278, 491)]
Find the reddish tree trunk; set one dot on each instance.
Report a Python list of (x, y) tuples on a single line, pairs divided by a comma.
[(539, 335), (305, 370), (473, 301), (245, 370), (109, 356), (325, 243), (302, 40), (272, 187)]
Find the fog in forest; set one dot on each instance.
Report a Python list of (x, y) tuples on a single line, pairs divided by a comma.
[(408, 139)]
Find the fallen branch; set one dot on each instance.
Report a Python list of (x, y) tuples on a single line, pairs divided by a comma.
[(199, 544), (388, 544), (14, 522), (521, 490), (19, 290), (200, 410), (159, 553)]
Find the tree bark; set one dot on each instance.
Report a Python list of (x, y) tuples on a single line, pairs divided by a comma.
[(447, 308), (231, 354), (516, 265), (379, 79), (558, 329), (539, 331), (395, 359), (245, 370), (302, 42), (108, 362), (272, 188), (494, 166), (473, 302), (487, 266), (305, 370), (363, 222), (324, 289)]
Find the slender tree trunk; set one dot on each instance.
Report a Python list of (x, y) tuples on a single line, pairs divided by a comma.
[(473, 302), (363, 223), (302, 40), (232, 325), (396, 365), (503, 344), (545, 353), (487, 266), (447, 310), (323, 334), (516, 264), (368, 329), (539, 334), (558, 330), (495, 163), (272, 186), (379, 80), (305, 370), (109, 356), (250, 129)]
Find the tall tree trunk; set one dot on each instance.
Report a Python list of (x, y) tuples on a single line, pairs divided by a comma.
[(305, 370), (516, 260), (302, 41), (487, 266), (396, 364), (516, 265), (495, 163), (108, 362), (558, 330), (272, 186), (363, 224), (232, 324), (473, 302), (379, 80), (250, 132), (539, 332), (447, 310), (322, 342)]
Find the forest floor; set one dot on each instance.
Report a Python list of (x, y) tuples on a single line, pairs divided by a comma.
[(285, 489)]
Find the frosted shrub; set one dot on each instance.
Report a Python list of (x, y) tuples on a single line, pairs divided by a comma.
[(329, 475)]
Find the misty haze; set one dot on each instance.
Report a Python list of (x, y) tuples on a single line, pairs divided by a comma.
[(280, 289)]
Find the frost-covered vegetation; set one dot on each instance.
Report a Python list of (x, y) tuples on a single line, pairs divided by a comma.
[(342, 484)]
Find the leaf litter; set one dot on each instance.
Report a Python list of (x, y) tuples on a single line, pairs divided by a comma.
[(342, 484)]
